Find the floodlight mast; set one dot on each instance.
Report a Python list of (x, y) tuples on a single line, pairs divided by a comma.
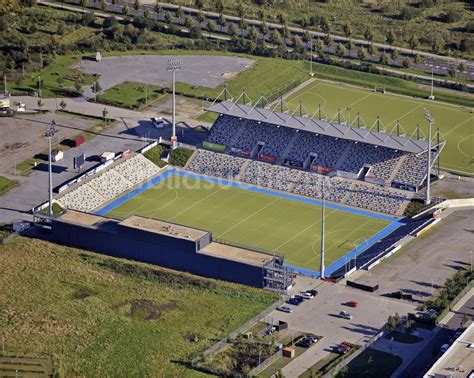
[(50, 134), (430, 120), (174, 64), (323, 226)]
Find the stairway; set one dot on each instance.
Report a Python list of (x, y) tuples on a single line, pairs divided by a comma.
[(237, 135), (343, 156), (287, 149), (243, 169), (396, 168)]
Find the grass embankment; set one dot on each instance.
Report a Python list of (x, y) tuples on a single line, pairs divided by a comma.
[(109, 317), (6, 184), (131, 95), (154, 154)]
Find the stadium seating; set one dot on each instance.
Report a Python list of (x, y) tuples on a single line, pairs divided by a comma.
[(328, 149), (413, 170), (309, 184), (109, 183), (223, 130), (215, 164), (275, 138), (382, 159)]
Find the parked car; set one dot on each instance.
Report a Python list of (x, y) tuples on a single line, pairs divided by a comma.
[(313, 292), (287, 309), (345, 346), (304, 343), (313, 339), (345, 315), (339, 349), (299, 297), (352, 304), (294, 301), (306, 295)]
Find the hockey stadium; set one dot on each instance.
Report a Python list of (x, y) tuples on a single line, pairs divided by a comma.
[(268, 190)]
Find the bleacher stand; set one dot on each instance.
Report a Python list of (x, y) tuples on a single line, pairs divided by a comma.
[(215, 164), (108, 184), (270, 176)]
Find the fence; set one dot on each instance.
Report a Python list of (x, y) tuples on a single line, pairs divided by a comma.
[(453, 303), (265, 364), (215, 347)]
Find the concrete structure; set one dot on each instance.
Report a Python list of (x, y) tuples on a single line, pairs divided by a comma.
[(166, 244), (458, 360)]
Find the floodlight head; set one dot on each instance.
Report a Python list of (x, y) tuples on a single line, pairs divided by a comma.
[(174, 64), (428, 116)]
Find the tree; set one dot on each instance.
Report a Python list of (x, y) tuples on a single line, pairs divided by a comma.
[(146, 13), (417, 59), (298, 44), (243, 24), (413, 42), (219, 6), (276, 37), (394, 54), (201, 16), (347, 29), (452, 72), (253, 33), (104, 115), (368, 35), (340, 50), (211, 26), (168, 18), (282, 18), (362, 54), (232, 29), (125, 9), (96, 88), (328, 40), (452, 16), (40, 104), (62, 104), (103, 5), (240, 10), (136, 5), (264, 27), (461, 67), (437, 44), (406, 63), (199, 4), (84, 3), (466, 45), (372, 49), (319, 46), (350, 46), (304, 22), (158, 7), (179, 12), (383, 59), (391, 323), (325, 26), (390, 37), (189, 22)]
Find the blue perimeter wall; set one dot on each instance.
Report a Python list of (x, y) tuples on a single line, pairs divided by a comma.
[(394, 222)]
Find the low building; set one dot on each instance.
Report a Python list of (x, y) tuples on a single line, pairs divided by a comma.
[(458, 360)]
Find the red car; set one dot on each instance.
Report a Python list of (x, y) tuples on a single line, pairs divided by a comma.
[(352, 304), (344, 346)]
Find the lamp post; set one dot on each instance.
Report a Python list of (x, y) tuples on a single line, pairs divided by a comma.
[(430, 120), (50, 134), (174, 64), (311, 56)]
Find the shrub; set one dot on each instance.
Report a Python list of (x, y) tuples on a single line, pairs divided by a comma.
[(180, 156), (154, 155), (409, 13), (452, 16)]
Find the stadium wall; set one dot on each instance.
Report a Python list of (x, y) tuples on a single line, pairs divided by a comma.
[(121, 241)]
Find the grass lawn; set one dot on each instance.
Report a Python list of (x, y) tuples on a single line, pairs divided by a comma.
[(402, 337), (130, 95), (277, 225), (456, 124), (372, 364), (109, 317), (6, 184)]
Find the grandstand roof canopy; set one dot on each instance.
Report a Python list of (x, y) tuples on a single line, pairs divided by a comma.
[(322, 127)]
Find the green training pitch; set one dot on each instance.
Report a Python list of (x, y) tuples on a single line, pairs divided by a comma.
[(258, 220), (455, 123)]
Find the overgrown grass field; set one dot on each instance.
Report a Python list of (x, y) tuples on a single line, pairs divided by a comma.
[(103, 316), (456, 123), (262, 221)]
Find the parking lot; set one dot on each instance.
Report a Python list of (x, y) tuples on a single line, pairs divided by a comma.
[(319, 316)]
